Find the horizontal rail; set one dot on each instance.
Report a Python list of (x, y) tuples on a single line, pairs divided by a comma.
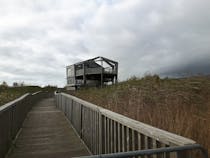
[(151, 152), (12, 115), (11, 103), (104, 131), (36, 92), (83, 102), (155, 133)]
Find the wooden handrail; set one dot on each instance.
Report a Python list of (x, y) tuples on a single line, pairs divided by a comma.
[(11, 103), (12, 115), (150, 131), (105, 131)]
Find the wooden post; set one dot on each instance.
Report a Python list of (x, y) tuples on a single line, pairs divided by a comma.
[(123, 138), (84, 76), (119, 137), (102, 75), (75, 80), (67, 76), (108, 135), (115, 137), (105, 134), (127, 139), (111, 136), (116, 77), (102, 134)]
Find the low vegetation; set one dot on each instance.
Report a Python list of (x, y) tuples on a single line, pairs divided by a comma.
[(8, 94), (181, 106)]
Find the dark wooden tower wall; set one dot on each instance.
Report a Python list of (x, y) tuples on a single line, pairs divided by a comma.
[(94, 72)]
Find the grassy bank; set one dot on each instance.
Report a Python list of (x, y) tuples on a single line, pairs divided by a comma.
[(180, 106), (10, 93)]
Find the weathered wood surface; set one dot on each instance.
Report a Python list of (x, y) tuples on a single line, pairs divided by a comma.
[(114, 132), (46, 133), (155, 133)]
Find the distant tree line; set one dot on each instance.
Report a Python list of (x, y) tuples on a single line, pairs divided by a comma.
[(22, 84), (15, 84), (4, 84)]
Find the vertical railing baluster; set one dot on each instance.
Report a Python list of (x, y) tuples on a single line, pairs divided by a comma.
[(119, 137), (111, 136), (101, 133), (127, 139), (97, 137), (95, 133), (91, 127), (139, 142), (105, 135), (133, 140), (108, 135), (154, 146), (114, 137), (123, 138)]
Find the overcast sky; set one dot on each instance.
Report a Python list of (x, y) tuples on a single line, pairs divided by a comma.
[(39, 38)]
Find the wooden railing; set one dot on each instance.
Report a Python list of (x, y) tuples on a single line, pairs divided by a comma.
[(12, 116), (104, 131)]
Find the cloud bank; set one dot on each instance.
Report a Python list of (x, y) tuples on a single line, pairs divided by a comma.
[(39, 38)]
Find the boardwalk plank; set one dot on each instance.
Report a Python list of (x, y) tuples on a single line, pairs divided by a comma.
[(46, 133)]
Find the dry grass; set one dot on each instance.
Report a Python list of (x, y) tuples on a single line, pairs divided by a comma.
[(10, 93), (181, 106)]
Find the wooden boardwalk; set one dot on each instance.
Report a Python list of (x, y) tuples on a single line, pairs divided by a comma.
[(46, 133)]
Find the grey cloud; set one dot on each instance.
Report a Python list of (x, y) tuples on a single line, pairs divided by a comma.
[(22, 34), (164, 37), (195, 68), (161, 37)]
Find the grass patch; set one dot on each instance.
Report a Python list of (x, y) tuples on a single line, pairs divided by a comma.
[(8, 94)]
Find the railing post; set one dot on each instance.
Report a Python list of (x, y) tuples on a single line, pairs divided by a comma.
[(81, 121), (101, 133), (12, 125)]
